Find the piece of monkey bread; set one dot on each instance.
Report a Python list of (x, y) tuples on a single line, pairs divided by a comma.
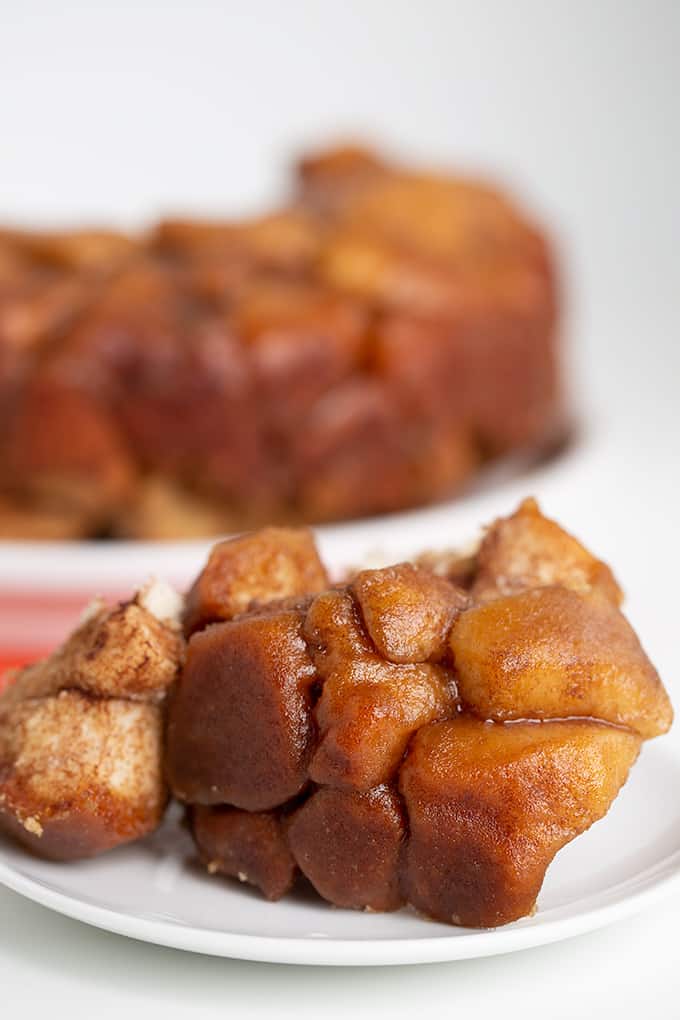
[(81, 732), (427, 734), (369, 347)]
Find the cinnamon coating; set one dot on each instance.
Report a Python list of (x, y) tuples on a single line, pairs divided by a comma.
[(80, 775), (81, 733), (528, 550)]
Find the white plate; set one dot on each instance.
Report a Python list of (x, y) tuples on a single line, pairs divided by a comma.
[(155, 892)]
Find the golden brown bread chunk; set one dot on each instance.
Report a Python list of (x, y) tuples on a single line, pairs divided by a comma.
[(330, 178), (366, 715), (302, 341), (133, 650), (81, 733), (484, 370), (286, 240), (527, 550), (240, 727), (182, 390), (368, 707), (249, 846), (35, 309), (408, 612), (76, 249), (489, 805), (79, 464), (460, 221), (353, 452), (415, 238), (448, 460), (80, 775), (373, 270), (177, 381), (468, 289), (265, 565), (348, 845), (552, 653)]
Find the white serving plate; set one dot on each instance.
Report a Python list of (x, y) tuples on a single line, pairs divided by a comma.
[(154, 891)]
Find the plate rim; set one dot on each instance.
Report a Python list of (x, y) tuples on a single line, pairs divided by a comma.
[(615, 903)]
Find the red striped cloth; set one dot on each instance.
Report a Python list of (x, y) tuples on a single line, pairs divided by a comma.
[(7, 665)]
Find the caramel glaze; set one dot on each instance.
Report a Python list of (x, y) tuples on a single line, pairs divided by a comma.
[(414, 781), (398, 738)]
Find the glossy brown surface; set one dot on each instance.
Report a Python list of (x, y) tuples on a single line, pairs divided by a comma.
[(240, 726), (250, 847), (552, 653), (366, 348), (409, 795), (408, 612), (270, 564), (303, 341), (368, 707), (490, 804), (348, 845)]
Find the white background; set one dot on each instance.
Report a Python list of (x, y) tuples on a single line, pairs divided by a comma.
[(123, 111)]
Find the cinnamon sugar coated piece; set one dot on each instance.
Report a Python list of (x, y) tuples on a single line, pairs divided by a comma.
[(80, 775), (132, 650), (81, 733)]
